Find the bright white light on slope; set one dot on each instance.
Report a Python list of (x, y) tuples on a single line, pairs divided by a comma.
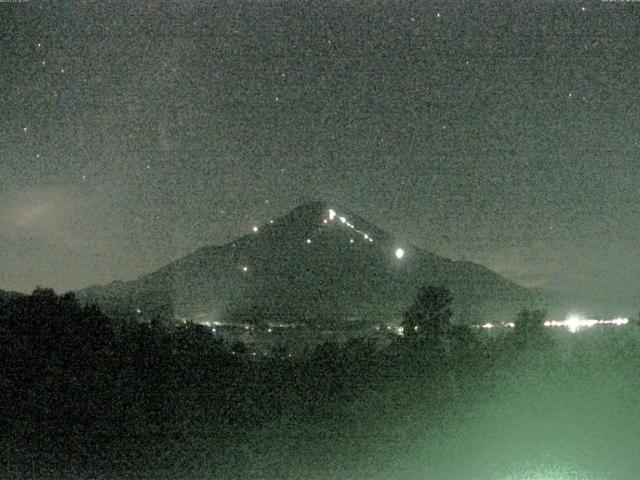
[(332, 214), (308, 240), (245, 269), (255, 229), (343, 219), (399, 253)]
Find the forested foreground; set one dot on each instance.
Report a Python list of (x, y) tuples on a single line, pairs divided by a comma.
[(84, 396)]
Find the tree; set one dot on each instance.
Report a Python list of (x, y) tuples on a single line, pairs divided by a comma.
[(430, 313), (529, 321)]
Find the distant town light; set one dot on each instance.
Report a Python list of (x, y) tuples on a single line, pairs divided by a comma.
[(245, 268), (308, 240), (332, 214), (255, 229), (399, 253), (343, 219)]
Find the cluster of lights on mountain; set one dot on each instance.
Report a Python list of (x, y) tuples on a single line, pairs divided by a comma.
[(332, 215)]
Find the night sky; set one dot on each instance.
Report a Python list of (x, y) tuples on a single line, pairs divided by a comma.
[(506, 133)]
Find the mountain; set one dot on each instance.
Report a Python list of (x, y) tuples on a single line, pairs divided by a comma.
[(318, 264)]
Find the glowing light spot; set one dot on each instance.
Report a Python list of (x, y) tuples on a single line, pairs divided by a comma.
[(399, 253), (343, 220), (620, 321), (245, 268), (325, 221), (332, 214), (308, 240), (366, 237), (255, 229), (487, 325), (351, 240)]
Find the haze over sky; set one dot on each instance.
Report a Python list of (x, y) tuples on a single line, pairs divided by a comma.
[(135, 132)]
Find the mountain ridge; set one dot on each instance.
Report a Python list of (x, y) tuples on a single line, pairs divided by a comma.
[(318, 263)]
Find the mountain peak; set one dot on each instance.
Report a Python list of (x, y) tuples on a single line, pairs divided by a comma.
[(320, 262)]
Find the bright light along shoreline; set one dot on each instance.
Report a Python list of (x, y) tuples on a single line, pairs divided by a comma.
[(573, 323)]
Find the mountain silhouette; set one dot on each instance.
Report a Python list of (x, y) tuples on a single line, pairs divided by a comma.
[(320, 264)]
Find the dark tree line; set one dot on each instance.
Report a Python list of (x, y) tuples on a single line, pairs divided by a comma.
[(82, 388)]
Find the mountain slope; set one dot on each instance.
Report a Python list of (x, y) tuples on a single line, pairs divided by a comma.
[(318, 264)]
